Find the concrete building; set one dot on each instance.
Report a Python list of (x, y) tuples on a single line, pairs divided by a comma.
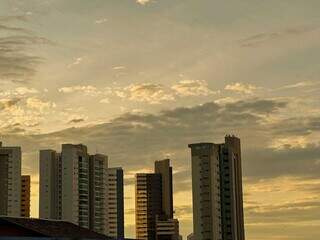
[(148, 205), (25, 195), (10, 181), (78, 187), (163, 167), (50, 206), (154, 204), (98, 181), (167, 229), (115, 204), (75, 184), (190, 237), (217, 190)]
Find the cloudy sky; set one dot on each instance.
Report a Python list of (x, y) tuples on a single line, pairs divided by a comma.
[(139, 80)]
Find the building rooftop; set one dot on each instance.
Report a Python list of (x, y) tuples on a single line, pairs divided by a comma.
[(51, 228)]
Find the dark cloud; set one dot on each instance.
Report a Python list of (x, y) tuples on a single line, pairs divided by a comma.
[(76, 120), (261, 38), (256, 106), (8, 103), (136, 140), (16, 64)]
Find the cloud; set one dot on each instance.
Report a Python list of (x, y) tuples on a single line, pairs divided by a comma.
[(19, 91), (87, 90), (299, 85), (102, 20), (16, 64), (143, 2), (8, 103), (76, 120), (241, 88), (261, 38), (105, 100), (38, 104), (76, 62), (192, 88), (148, 92)]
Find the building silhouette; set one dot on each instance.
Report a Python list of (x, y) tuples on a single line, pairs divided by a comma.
[(25, 195), (217, 190), (10, 181), (148, 204), (154, 204)]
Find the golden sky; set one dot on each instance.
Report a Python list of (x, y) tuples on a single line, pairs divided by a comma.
[(140, 80)]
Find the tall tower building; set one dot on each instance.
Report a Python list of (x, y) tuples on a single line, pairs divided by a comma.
[(98, 193), (75, 184), (148, 205), (115, 204), (25, 195), (154, 204), (217, 190), (165, 170), (10, 181), (79, 188), (50, 206)]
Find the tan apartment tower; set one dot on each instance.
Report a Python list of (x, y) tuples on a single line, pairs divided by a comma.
[(154, 204), (10, 181), (25, 195), (217, 190), (148, 204)]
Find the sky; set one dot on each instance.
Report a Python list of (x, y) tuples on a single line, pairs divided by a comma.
[(140, 80)]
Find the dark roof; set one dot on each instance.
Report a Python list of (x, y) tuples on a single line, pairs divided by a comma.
[(52, 228)]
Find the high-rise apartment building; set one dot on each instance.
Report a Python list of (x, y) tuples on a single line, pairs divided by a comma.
[(115, 204), (10, 181), (163, 167), (148, 205), (50, 206), (74, 186), (25, 195), (217, 190), (98, 181), (154, 204)]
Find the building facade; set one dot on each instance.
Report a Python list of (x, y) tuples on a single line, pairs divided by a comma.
[(50, 202), (25, 195), (10, 181), (98, 181), (115, 204), (79, 188), (165, 170), (217, 190), (154, 204), (148, 205)]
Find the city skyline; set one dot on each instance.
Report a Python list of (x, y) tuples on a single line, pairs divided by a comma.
[(139, 80)]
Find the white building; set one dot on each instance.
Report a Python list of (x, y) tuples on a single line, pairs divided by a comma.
[(10, 181), (79, 188), (50, 187), (115, 209), (98, 193)]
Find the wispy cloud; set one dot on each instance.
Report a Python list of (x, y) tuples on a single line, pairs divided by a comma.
[(241, 88), (143, 2), (261, 38), (76, 62), (101, 20), (193, 88), (16, 64)]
